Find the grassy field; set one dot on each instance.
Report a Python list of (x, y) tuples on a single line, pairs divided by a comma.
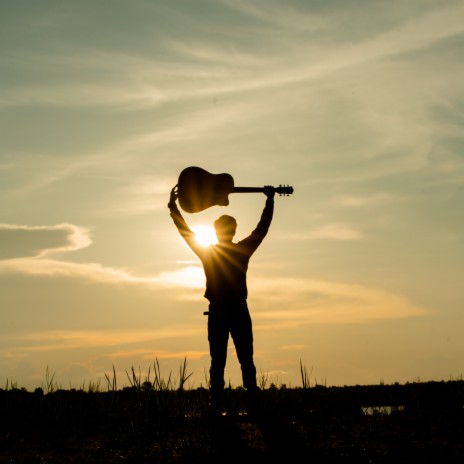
[(152, 422)]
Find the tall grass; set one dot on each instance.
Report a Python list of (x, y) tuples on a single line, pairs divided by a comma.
[(154, 379), (50, 384), (111, 382), (159, 383), (155, 411), (183, 376), (305, 377)]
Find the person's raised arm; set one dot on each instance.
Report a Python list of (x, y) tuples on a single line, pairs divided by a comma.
[(257, 236), (268, 211), (187, 234)]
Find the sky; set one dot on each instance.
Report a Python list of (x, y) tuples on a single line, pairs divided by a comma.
[(356, 104)]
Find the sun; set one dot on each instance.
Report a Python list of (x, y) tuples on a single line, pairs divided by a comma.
[(205, 235)]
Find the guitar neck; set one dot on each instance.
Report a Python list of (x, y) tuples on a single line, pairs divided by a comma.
[(248, 189), (281, 190)]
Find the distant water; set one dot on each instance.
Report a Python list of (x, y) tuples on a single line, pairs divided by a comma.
[(385, 410)]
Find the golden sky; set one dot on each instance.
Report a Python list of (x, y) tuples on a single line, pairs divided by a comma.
[(359, 106)]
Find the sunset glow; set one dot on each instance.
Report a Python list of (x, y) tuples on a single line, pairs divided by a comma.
[(205, 235), (358, 106)]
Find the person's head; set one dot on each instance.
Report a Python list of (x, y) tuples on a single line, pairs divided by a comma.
[(225, 228)]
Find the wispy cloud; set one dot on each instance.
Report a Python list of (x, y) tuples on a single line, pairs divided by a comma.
[(145, 195), (103, 344), (190, 276), (155, 80), (363, 200), (23, 249), (307, 301), (88, 271), (332, 231), (71, 340), (152, 355), (21, 240)]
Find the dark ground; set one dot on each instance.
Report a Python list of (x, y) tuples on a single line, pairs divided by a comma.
[(424, 422)]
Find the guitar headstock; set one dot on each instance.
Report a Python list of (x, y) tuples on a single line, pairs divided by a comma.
[(284, 190)]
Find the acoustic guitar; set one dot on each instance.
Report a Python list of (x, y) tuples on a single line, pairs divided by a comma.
[(198, 189)]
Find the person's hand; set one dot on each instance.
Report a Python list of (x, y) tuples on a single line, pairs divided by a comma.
[(174, 195), (269, 191)]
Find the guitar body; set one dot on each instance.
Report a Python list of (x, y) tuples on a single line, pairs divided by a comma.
[(198, 189)]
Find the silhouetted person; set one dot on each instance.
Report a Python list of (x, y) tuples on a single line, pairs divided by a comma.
[(225, 265)]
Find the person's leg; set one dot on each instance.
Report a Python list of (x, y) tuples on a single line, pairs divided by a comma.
[(218, 336), (242, 335)]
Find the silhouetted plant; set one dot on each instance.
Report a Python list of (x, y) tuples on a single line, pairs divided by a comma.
[(135, 380), (183, 376), (50, 384), (263, 379), (305, 377), (10, 385), (111, 383), (159, 383)]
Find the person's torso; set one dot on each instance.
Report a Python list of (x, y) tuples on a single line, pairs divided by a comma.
[(225, 269)]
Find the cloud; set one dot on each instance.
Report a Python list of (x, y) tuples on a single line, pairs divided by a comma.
[(73, 339), (146, 194), (334, 231), (23, 249), (363, 200), (185, 278), (190, 277), (152, 355), (89, 271), (299, 301), (129, 78), (305, 300), (18, 241)]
